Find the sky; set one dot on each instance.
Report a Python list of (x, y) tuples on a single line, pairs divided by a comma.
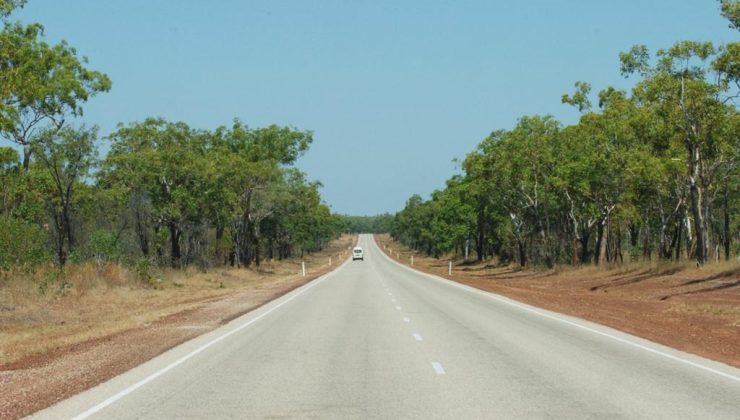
[(394, 91)]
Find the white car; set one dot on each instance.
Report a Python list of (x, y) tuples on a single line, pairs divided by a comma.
[(358, 254)]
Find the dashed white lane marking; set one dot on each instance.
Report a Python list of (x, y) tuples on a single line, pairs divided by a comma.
[(438, 368), (557, 317), (417, 337), (393, 300), (406, 319), (398, 307)]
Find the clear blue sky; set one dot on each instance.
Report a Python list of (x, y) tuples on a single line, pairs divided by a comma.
[(393, 90)]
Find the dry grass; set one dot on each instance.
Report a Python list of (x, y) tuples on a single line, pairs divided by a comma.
[(41, 312)]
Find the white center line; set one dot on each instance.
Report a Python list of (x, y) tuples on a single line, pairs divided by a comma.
[(406, 319), (417, 337), (438, 368)]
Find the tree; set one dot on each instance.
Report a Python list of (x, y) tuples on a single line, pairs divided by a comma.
[(42, 84), (166, 163), (68, 155), (680, 89)]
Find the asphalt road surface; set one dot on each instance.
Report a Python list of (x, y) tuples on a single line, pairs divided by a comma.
[(374, 339)]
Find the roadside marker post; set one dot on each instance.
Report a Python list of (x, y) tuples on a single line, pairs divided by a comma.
[(303, 268), (412, 260), (329, 261), (449, 270)]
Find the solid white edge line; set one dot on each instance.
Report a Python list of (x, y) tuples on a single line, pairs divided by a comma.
[(438, 368), (131, 388), (523, 307)]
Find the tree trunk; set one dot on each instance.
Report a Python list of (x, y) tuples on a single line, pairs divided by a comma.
[(141, 234), (175, 253), (160, 252), (603, 248), (479, 243), (696, 194), (256, 246), (522, 253), (574, 252), (726, 229), (67, 226), (618, 247), (219, 236), (26, 156), (597, 246), (585, 236), (679, 231)]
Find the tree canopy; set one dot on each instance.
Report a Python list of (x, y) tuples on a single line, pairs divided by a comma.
[(650, 172)]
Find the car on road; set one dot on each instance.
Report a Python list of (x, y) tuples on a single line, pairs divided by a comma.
[(358, 254)]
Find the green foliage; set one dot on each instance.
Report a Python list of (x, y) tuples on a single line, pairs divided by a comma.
[(165, 193), (41, 83), (652, 171), (21, 244), (731, 11), (103, 246), (367, 224), (8, 6), (68, 155), (144, 270)]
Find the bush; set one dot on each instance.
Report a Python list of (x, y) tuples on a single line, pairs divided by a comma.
[(21, 244), (145, 271), (103, 247)]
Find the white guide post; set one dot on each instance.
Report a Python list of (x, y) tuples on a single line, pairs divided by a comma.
[(303, 268), (449, 269), (412, 260)]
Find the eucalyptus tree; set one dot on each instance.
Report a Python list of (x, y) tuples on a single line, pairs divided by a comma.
[(691, 95), (42, 84), (453, 217), (259, 157), (68, 155), (165, 162), (524, 169)]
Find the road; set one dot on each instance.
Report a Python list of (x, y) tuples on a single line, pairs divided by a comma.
[(374, 339)]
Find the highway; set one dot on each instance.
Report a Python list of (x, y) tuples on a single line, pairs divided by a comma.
[(374, 339)]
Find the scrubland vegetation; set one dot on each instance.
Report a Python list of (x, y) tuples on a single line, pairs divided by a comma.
[(165, 194), (646, 174)]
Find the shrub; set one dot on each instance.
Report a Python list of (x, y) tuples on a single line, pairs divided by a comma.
[(21, 244), (103, 246)]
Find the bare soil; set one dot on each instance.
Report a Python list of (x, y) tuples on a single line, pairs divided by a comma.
[(677, 305), (53, 347)]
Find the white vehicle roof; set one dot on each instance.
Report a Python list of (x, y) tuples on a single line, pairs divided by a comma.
[(358, 248)]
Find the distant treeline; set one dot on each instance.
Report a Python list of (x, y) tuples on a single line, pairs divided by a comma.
[(367, 224), (166, 193), (647, 173)]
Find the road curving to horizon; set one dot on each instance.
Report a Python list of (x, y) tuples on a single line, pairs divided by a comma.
[(375, 339)]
